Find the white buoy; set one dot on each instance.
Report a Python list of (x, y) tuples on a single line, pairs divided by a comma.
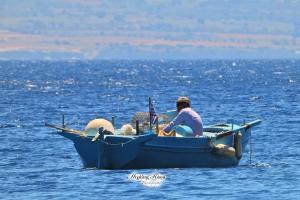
[(223, 149), (127, 129), (93, 126)]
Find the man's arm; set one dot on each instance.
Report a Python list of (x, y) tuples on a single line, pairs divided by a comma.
[(178, 120)]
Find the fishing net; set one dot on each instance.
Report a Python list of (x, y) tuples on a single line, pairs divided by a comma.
[(144, 120)]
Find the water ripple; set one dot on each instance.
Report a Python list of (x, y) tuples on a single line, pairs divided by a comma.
[(37, 163)]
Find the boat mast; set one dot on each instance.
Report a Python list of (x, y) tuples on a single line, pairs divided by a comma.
[(149, 102)]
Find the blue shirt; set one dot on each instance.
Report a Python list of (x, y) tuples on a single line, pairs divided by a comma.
[(187, 117)]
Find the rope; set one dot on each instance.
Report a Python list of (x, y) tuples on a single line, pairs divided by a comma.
[(250, 149), (118, 144)]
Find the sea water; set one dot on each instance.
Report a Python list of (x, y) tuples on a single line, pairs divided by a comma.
[(36, 163)]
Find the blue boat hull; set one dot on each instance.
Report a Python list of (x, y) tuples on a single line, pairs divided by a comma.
[(156, 157), (152, 151)]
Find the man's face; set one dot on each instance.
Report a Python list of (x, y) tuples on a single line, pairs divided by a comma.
[(179, 107)]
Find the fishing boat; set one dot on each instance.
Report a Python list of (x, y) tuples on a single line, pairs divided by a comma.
[(222, 145)]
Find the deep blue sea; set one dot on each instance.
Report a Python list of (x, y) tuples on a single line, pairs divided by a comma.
[(36, 163)]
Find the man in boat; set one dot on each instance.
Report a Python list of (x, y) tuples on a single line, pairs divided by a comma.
[(186, 116)]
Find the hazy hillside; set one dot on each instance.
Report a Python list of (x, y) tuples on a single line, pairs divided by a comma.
[(63, 29)]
